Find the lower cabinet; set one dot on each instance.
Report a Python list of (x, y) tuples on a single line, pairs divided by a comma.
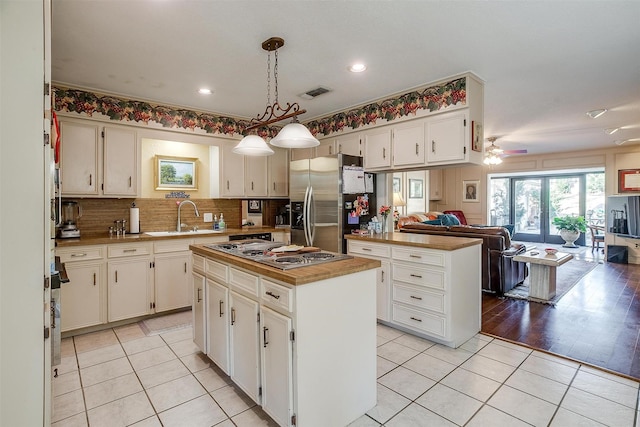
[(198, 311), (128, 288), (244, 339), (276, 356), (172, 281), (217, 297)]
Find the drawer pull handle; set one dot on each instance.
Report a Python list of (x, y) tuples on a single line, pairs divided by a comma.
[(78, 255), (130, 250), (414, 256), (94, 279), (271, 294), (220, 307), (415, 297), (233, 316), (416, 319), (416, 275), (265, 336), (367, 249)]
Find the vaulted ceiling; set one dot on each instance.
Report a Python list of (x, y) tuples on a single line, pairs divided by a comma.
[(545, 64)]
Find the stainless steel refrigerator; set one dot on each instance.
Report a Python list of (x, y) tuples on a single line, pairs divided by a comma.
[(330, 196)]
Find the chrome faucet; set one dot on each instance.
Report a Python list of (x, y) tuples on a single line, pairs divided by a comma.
[(179, 227)]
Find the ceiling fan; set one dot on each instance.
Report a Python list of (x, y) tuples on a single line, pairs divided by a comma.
[(494, 150)]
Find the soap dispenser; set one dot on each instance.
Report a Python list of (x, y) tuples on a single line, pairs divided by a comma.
[(221, 224), (216, 224)]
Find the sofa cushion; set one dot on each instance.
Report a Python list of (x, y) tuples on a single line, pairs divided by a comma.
[(499, 231)]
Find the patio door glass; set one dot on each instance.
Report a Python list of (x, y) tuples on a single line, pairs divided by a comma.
[(526, 208), (565, 197)]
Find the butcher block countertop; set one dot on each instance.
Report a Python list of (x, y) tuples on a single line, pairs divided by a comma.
[(105, 239), (294, 276), (444, 243)]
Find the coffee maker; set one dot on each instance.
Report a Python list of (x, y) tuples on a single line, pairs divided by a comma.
[(282, 218), (71, 212)]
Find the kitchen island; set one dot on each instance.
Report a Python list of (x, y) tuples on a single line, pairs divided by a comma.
[(300, 342), (427, 285)]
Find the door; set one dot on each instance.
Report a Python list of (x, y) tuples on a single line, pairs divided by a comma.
[(324, 200), (199, 329), (245, 339), (218, 324), (79, 158), (527, 209), (565, 197), (81, 296), (172, 284), (446, 137), (277, 366)]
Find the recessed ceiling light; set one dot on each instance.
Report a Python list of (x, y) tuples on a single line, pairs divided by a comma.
[(594, 114), (357, 68), (611, 131), (205, 91)]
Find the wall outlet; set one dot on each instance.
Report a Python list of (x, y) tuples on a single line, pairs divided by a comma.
[(208, 217)]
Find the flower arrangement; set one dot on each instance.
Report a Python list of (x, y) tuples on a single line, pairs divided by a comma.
[(385, 210)]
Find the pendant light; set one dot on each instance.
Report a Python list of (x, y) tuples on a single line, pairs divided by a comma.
[(253, 145), (293, 135), (492, 154)]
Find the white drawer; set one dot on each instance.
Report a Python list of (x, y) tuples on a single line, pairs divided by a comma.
[(419, 320), (422, 256), (198, 263), (83, 253), (369, 249), (277, 296), (216, 270), (249, 283), (420, 298), (408, 273), (174, 245), (210, 239), (119, 251)]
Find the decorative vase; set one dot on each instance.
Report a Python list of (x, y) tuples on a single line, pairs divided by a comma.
[(569, 238), (384, 224)]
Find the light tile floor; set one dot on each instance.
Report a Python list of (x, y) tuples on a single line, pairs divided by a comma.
[(122, 377)]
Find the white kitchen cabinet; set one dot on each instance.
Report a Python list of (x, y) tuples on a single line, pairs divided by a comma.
[(82, 298), (327, 147), (244, 341), (382, 253), (350, 144), (408, 145), (129, 281), (79, 158), (231, 172), (255, 180), (277, 365), (218, 324), (198, 311), (447, 137), (377, 148), (303, 153), (172, 280), (99, 161), (432, 293), (436, 184), (120, 161), (279, 173)]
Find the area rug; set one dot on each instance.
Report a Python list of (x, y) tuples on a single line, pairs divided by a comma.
[(162, 324), (567, 276)]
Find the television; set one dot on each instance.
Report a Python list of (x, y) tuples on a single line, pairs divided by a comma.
[(623, 215)]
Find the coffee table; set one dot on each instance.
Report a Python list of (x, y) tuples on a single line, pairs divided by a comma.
[(542, 283)]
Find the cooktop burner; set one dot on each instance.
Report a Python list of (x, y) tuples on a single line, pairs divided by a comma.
[(258, 251)]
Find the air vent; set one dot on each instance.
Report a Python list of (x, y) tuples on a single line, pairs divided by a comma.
[(313, 93)]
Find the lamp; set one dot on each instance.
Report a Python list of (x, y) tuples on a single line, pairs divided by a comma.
[(293, 135), (398, 201), (492, 154)]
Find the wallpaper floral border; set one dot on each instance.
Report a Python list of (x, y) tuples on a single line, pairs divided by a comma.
[(432, 98)]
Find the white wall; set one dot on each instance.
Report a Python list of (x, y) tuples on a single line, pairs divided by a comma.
[(22, 231)]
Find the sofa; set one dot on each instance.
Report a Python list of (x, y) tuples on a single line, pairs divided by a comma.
[(500, 273)]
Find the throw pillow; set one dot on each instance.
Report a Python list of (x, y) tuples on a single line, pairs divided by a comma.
[(448, 219), (433, 222), (509, 228)]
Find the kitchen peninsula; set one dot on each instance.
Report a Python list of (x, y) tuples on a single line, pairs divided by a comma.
[(301, 342), (427, 285)]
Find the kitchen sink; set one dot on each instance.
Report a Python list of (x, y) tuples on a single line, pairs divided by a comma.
[(181, 233)]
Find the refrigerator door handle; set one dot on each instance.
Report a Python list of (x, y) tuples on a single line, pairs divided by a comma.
[(311, 213), (305, 216)]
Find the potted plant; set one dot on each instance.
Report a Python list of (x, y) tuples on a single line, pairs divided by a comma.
[(570, 228)]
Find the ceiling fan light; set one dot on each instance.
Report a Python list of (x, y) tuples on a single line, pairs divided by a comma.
[(594, 114), (294, 135), (492, 159), (253, 145)]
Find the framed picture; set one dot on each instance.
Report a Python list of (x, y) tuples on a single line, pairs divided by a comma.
[(416, 189), (255, 206), (396, 185), (176, 173), (476, 136), (470, 191), (629, 180)]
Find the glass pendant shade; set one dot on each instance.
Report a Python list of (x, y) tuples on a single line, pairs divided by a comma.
[(253, 145), (294, 135), (492, 159)]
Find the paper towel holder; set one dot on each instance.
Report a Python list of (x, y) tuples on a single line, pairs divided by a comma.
[(134, 219)]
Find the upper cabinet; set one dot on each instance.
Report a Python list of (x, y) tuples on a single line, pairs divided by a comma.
[(408, 144), (255, 176), (278, 167), (377, 145), (97, 160), (447, 140), (231, 172), (350, 144)]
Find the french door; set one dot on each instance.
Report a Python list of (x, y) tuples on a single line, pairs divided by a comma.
[(531, 203)]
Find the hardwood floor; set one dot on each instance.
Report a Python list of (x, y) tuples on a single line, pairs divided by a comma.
[(596, 322)]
